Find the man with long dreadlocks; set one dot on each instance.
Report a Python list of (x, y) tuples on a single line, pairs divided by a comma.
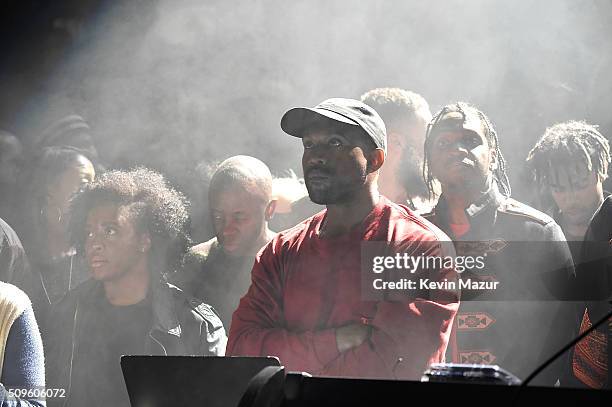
[(462, 153), (570, 163)]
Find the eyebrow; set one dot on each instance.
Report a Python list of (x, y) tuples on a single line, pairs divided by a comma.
[(243, 210), (89, 226), (332, 135), (578, 181)]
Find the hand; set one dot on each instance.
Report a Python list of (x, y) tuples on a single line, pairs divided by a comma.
[(351, 336)]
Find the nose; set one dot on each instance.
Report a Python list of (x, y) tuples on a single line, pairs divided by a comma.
[(228, 228), (94, 244), (97, 246), (572, 196), (93, 249), (458, 149), (315, 156), (565, 199)]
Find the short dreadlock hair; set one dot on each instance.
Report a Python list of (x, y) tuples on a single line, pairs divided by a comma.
[(153, 206), (465, 109), (565, 144), (397, 106)]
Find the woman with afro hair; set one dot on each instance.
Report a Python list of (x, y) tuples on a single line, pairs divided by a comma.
[(130, 228)]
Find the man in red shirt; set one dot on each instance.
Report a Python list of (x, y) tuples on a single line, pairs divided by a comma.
[(305, 303)]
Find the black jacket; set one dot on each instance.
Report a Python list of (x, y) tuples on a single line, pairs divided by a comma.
[(595, 268), (520, 326), (595, 281), (180, 326)]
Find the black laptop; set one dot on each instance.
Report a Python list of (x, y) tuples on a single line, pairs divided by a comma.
[(207, 381)]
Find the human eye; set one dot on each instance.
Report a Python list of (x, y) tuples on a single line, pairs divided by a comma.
[(89, 234), (110, 231), (473, 141), (335, 142), (307, 144), (442, 143), (240, 217)]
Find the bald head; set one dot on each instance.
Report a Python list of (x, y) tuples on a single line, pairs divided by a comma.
[(240, 203), (244, 172)]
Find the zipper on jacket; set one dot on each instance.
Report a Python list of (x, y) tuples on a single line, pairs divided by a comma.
[(159, 343), (76, 313)]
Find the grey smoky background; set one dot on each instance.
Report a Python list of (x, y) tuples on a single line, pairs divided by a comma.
[(173, 83)]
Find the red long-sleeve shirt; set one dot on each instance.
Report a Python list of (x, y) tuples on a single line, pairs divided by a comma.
[(304, 287)]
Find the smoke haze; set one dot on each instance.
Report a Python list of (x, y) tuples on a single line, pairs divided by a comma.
[(171, 83)]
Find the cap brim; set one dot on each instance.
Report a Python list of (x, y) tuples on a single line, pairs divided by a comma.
[(296, 120)]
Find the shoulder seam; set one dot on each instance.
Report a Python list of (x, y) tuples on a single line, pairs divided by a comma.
[(427, 225), (529, 212)]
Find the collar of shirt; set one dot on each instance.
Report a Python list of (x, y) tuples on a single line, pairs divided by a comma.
[(481, 213)]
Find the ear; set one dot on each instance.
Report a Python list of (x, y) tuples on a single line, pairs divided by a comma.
[(376, 159), (270, 208), (145, 243)]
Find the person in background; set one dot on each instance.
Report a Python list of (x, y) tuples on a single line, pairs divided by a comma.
[(569, 164), (11, 159), (58, 173), (512, 326), (197, 191), (292, 202), (130, 228), (287, 190), (69, 131), (406, 115), (305, 302), (22, 363), (14, 266), (240, 204), (591, 358)]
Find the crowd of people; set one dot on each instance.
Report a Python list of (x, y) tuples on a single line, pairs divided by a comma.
[(110, 267)]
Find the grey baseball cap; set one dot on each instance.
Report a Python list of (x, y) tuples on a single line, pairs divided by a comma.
[(348, 111)]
